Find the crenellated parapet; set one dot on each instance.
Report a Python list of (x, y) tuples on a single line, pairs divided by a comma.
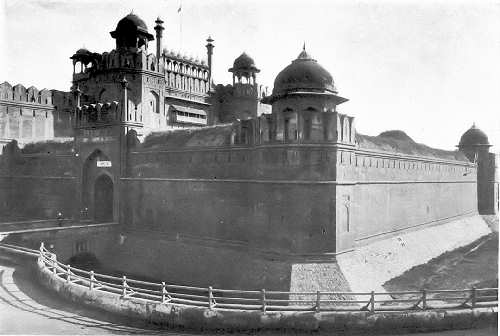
[(99, 113), (19, 93)]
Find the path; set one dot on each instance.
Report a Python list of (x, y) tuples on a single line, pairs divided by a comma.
[(28, 309)]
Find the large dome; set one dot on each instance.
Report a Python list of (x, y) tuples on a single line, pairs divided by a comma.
[(474, 137), (304, 74)]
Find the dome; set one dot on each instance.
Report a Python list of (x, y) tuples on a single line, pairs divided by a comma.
[(82, 51), (244, 63), (130, 21), (82, 54), (304, 74), (474, 137), (130, 27)]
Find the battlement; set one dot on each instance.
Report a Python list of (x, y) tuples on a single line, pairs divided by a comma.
[(99, 113), (31, 95)]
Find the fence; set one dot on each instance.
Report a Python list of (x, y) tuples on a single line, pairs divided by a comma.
[(265, 301)]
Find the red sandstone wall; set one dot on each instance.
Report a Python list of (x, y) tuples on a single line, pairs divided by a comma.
[(390, 192), (292, 198), (37, 185)]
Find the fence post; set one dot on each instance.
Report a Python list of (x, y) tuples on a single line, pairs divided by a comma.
[(92, 279), (318, 301), (163, 292), (372, 302), (124, 284), (263, 299), (424, 299), (68, 273), (53, 257), (210, 298), (473, 296)]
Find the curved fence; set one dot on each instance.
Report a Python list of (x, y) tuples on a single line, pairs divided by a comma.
[(262, 300)]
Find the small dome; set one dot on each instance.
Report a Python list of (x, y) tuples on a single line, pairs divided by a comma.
[(304, 74), (82, 51), (130, 21), (474, 137), (82, 54), (128, 29), (244, 63)]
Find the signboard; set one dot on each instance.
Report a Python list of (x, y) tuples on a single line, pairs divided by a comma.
[(103, 163)]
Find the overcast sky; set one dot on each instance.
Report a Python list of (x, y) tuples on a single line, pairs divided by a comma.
[(430, 68)]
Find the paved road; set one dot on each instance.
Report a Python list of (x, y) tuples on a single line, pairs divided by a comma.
[(27, 309)]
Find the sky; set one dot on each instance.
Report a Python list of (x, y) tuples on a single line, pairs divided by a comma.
[(430, 68)]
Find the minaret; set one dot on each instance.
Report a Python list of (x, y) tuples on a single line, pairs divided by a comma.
[(159, 34), (210, 48)]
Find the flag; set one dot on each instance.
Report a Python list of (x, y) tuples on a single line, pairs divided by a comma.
[(180, 8)]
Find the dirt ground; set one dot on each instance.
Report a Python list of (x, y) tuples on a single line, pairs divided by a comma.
[(473, 265)]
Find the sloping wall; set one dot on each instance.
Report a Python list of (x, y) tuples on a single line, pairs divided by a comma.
[(370, 266)]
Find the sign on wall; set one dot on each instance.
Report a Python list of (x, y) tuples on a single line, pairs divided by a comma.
[(103, 163)]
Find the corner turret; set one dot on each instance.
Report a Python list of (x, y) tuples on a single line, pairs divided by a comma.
[(475, 145)]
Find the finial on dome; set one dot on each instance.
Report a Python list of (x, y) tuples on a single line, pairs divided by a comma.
[(303, 54), (473, 124), (131, 12)]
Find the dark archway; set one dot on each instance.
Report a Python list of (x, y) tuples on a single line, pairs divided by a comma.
[(85, 260), (103, 199)]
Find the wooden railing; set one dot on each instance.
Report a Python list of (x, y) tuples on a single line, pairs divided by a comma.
[(264, 301)]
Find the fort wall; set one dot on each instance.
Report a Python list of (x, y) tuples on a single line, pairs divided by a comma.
[(38, 183), (30, 115), (297, 198)]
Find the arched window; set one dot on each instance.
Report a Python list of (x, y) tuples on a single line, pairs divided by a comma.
[(154, 102)]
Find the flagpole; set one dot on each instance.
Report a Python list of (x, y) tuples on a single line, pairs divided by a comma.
[(180, 23)]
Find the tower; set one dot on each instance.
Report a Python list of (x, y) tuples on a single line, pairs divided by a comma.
[(304, 105), (241, 100), (210, 51), (475, 145), (159, 34)]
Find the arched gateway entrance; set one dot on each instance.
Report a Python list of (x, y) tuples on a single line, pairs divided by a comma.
[(97, 188), (103, 199)]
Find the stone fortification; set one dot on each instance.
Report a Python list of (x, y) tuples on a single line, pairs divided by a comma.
[(279, 190)]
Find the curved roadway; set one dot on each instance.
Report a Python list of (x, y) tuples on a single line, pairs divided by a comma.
[(26, 308)]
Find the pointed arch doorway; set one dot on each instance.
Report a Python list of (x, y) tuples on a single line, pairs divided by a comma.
[(103, 199), (97, 188)]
